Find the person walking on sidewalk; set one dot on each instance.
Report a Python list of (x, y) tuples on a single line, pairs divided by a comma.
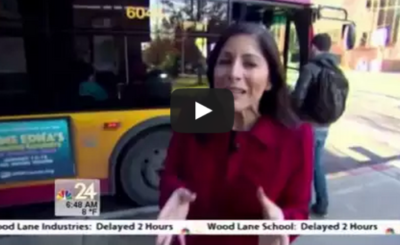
[(320, 98)]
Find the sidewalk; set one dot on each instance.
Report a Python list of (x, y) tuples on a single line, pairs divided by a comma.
[(366, 193)]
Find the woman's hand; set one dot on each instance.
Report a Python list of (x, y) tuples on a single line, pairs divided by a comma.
[(176, 208), (271, 212)]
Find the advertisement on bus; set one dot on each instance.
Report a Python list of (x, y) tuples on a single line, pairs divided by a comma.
[(35, 150)]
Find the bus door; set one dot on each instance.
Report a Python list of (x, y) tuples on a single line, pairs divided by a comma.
[(280, 20)]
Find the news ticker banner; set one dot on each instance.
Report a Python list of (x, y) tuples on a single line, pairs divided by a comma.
[(205, 227), (77, 197)]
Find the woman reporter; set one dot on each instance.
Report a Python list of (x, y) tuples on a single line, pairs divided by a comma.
[(262, 169)]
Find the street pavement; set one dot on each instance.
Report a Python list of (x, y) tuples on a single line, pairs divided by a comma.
[(362, 159), (369, 132)]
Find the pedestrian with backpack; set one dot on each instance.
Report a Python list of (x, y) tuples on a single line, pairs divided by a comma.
[(320, 98)]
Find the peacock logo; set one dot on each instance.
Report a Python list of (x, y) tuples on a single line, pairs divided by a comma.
[(185, 231), (390, 231)]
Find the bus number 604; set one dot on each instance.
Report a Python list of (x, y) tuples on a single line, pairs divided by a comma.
[(142, 13)]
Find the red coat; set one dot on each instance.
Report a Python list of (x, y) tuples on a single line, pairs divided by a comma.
[(271, 156)]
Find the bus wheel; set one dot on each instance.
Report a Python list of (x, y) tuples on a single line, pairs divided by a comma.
[(141, 166)]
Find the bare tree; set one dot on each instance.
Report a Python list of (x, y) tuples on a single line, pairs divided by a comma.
[(160, 53), (211, 12), (181, 14)]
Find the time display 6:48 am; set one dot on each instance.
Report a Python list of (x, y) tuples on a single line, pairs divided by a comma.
[(143, 12)]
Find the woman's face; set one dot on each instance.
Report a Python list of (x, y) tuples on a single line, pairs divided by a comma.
[(242, 68)]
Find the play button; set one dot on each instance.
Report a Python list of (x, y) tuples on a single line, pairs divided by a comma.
[(201, 110)]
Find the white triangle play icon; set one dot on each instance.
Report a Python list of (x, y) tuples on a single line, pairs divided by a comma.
[(201, 110)]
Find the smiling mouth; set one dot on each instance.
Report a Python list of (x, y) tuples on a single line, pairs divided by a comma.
[(237, 91)]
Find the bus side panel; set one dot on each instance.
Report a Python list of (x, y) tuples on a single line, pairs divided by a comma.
[(40, 193), (93, 145)]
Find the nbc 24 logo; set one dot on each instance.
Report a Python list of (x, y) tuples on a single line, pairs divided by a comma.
[(84, 193)]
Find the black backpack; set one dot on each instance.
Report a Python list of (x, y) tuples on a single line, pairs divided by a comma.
[(326, 97)]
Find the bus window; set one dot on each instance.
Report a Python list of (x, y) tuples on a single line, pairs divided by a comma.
[(172, 36), (193, 27), (97, 70), (293, 66), (192, 60), (14, 80), (13, 74), (275, 18), (278, 29), (82, 48), (105, 55)]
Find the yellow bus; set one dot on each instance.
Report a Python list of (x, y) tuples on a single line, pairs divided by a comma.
[(85, 84), (79, 100)]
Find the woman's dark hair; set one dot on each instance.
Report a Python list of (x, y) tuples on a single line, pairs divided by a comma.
[(276, 102)]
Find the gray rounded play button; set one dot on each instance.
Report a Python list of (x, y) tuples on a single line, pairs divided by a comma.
[(202, 110)]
